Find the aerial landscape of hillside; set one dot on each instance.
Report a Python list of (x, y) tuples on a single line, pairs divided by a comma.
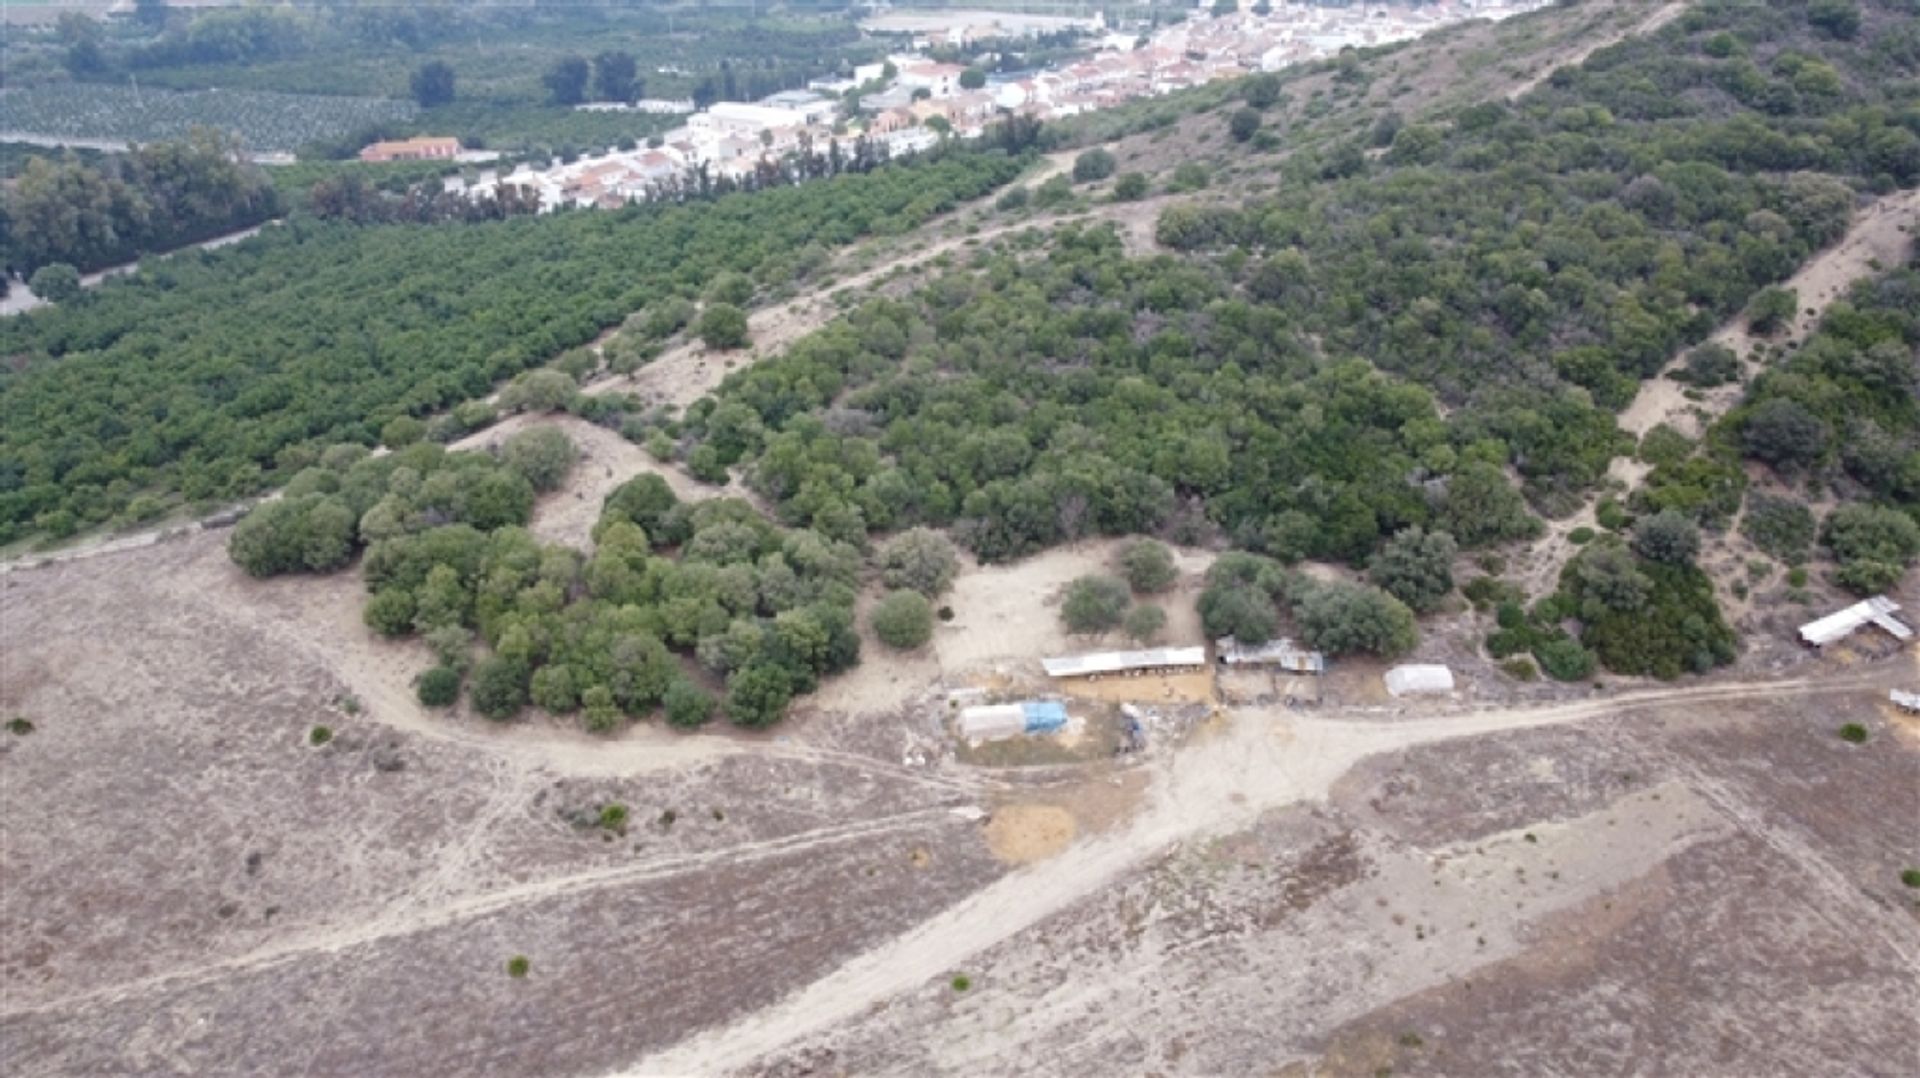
[(1307, 538)]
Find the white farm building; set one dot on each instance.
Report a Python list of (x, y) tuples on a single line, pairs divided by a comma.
[(1841, 624), (1127, 662)]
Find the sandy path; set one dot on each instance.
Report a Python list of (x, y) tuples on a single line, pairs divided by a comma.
[(1648, 25), (1219, 783), (1881, 234)]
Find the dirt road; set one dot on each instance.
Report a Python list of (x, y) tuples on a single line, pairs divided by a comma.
[(1218, 783)]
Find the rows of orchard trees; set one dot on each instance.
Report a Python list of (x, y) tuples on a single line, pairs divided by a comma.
[(216, 376)]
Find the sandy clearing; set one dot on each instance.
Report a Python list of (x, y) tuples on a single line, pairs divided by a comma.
[(1256, 762), (1022, 834)]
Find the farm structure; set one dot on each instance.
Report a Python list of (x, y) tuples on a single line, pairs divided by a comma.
[(1150, 660), (1282, 653), (1905, 701), (992, 722), (1418, 678), (1841, 624), (413, 149)]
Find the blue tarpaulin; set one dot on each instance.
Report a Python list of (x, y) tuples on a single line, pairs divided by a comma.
[(1044, 716)]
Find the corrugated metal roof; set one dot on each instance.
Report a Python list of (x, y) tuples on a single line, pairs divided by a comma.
[(1842, 623), (1113, 662), (1281, 652)]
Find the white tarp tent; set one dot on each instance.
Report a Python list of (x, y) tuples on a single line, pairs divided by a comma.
[(991, 722), (1878, 610), (1419, 678)]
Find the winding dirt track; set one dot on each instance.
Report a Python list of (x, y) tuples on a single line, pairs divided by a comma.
[(1262, 760)]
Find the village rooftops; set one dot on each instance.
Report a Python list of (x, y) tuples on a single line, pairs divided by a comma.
[(1116, 662)]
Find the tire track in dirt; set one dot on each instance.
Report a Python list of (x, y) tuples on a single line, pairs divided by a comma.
[(1222, 781), (405, 920)]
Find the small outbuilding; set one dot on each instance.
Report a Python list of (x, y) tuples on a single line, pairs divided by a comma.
[(994, 722), (1150, 660), (1281, 653), (1415, 679), (1905, 701), (1841, 624)]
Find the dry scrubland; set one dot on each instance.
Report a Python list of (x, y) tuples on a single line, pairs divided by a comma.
[(1697, 878), (194, 888)]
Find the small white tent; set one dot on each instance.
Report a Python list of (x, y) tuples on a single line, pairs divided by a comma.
[(1419, 678)]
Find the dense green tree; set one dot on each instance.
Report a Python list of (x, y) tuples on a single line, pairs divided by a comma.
[(1340, 618), (1243, 123), (1094, 164), (1095, 603), (722, 326), (432, 84), (313, 533), (920, 559), (1261, 91), (757, 695), (56, 282), (1874, 546), (1667, 536), (439, 687), (1148, 566), (1144, 622), (972, 79), (1785, 434), (903, 620), (566, 80), (500, 687), (542, 456), (687, 705), (1415, 567), (614, 76), (1130, 187)]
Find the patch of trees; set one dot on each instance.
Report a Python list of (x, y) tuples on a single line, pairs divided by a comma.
[(153, 198), (448, 559), (1642, 616), (217, 376), (1078, 393), (1246, 593)]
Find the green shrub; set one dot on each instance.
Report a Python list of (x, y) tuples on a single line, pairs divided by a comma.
[(1130, 187), (1564, 659), (1910, 877), (613, 817), (19, 726), (439, 687), (1148, 566), (319, 735), (903, 620), (1520, 669), (1094, 164), (1580, 536), (1781, 527), (518, 966), (1095, 603), (961, 982), (687, 705), (1853, 733), (1144, 622), (1796, 577), (500, 687), (722, 326)]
